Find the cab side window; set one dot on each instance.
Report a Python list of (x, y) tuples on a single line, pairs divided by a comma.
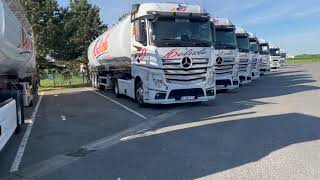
[(140, 31)]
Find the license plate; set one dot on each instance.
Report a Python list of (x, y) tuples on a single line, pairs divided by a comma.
[(221, 86), (183, 98)]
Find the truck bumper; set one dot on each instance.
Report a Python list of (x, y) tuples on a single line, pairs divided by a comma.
[(227, 83), (275, 64), (172, 96), (264, 69), (255, 74), (245, 78)]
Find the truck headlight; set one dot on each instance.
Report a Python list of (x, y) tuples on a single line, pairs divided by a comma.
[(211, 78), (236, 71), (157, 80)]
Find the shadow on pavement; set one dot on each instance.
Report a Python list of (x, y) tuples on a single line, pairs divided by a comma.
[(210, 147)]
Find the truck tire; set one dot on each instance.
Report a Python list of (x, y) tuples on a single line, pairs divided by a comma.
[(116, 88), (101, 87), (139, 93)]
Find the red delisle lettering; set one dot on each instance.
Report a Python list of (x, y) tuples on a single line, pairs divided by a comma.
[(172, 54)]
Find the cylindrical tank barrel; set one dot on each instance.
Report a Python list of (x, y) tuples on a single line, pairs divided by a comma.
[(17, 54), (113, 47)]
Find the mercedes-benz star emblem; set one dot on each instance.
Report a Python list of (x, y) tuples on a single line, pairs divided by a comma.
[(186, 62), (219, 60)]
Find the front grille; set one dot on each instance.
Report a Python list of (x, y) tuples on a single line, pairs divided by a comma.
[(263, 62), (177, 94), (226, 68), (243, 65), (175, 73), (254, 63)]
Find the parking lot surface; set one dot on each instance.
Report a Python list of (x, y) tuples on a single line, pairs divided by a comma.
[(269, 129)]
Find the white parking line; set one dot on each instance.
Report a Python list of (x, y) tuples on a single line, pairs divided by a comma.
[(116, 102), (17, 160)]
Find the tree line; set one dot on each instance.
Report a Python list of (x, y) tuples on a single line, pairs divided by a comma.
[(63, 33)]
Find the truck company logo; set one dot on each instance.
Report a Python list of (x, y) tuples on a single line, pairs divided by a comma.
[(186, 62), (180, 8), (226, 53), (102, 46), (142, 53), (219, 60), (215, 21), (243, 54), (174, 53)]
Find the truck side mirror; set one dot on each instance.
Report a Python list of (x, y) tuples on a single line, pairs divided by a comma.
[(141, 33)]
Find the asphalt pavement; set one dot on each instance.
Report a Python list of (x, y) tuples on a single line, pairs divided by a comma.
[(269, 129)]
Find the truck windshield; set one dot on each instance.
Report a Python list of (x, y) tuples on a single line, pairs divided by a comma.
[(253, 46), (243, 44), (171, 32), (264, 49), (283, 55), (225, 39), (275, 52)]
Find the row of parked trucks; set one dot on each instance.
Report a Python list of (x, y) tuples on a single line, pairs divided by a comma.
[(161, 53), (166, 53)]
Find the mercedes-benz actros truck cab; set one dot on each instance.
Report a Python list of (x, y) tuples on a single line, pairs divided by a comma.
[(227, 56), (275, 57), (160, 54), (264, 56), (245, 56), (283, 57), (254, 49)]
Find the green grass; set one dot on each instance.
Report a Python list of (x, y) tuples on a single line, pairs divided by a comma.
[(44, 89), (61, 82), (304, 59)]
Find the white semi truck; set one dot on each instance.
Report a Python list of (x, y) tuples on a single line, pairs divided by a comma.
[(227, 55), (254, 48), (243, 44), (275, 57), (18, 75), (160, 54), (283, 57), (264, 56)]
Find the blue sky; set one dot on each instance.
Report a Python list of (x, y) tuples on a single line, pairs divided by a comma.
[(291, 24)]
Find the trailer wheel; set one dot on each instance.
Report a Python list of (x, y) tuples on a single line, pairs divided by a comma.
[(116, 88), (139, 93), (101, 87)]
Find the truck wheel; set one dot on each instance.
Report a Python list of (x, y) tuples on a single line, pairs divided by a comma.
[(101, 87), (139, 93), (116, 88)]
